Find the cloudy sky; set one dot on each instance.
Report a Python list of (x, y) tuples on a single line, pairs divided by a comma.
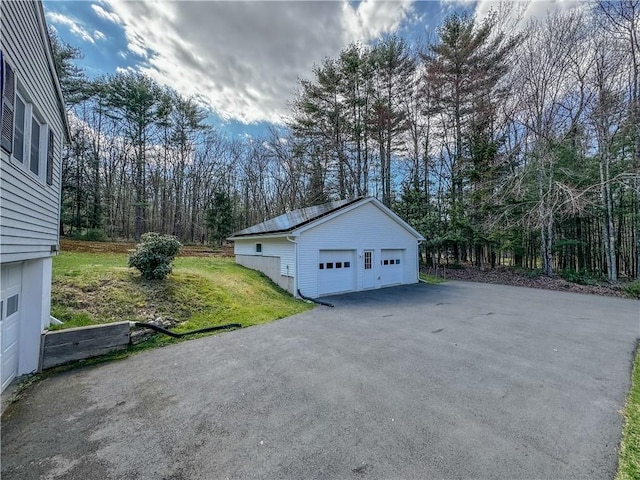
[(241, 58)]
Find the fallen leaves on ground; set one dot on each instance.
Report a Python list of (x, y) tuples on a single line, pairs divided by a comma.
[(506, 276)]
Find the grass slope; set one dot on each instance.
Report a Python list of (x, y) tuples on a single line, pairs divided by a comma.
[(431, 279), (93, 288), (629, 456)]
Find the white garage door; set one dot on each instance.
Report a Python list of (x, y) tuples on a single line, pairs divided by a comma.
[(391, 267), (336, 271), (10, 321)]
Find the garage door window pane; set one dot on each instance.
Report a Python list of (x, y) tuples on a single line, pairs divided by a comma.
[(321, 266), (329, 265), (12, 305), (386, 262), (397, 261), (391, 262), (338, 264), (347, 264)]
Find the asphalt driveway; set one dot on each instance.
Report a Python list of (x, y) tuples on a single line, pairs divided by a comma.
[(457, 380)]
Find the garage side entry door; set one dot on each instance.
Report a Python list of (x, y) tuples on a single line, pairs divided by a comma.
[(391, 267), (336, 271), (11, 278)]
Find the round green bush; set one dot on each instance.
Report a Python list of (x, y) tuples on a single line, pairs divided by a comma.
[(154, 254)]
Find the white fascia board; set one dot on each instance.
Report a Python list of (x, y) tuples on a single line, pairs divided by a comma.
[(353, 206), (258, 236)]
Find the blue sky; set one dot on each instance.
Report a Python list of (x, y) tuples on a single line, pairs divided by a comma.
[(242, 58)]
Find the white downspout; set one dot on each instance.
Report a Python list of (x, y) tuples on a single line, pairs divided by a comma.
[(418, 259), (295, 275)]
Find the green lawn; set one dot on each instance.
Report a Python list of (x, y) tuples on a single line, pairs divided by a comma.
[(94, 288), (430, 279), (629, 456)]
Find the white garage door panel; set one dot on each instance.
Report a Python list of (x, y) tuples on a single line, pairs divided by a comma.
[(391, 267), (10, 322), (336, 271)]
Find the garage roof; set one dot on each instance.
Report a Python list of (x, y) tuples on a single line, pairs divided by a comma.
[(294, 219), (299, 220)]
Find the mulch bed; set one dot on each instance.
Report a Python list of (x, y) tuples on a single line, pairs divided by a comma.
[(69, 245), (506, 276)]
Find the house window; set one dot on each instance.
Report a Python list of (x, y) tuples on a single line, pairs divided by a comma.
[(25, 137), (258, 248), (50, 152), (19, 130), (8, 96), (34, 158)]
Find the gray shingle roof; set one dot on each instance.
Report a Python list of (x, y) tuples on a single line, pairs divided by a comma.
[(296, 218)]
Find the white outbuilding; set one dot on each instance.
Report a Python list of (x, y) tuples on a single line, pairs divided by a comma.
[(337, 247)]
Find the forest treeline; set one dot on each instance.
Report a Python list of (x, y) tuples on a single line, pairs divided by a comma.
[(497, 146)]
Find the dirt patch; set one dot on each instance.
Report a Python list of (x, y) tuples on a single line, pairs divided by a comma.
[(69, 245), (507, 276)]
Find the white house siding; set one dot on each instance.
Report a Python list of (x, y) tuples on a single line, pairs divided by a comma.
[(364, 227), (277, 248), (30, 208)]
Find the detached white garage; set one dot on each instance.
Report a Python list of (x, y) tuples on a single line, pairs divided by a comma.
[(337, 247)]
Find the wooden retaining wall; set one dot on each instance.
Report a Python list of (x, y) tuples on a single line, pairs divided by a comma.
[(64, 346)]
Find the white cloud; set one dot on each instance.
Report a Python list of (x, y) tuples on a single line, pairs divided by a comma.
[(371, 19), (102, 13), (518, 13), (125, 70), (244, 57), (74, 26), (98, 35)]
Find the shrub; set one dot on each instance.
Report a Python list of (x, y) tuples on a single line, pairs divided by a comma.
[(95, 235), (632, 289), (91, 234), (154, 254), (581, 277)]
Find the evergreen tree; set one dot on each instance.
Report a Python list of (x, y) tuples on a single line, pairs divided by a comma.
[(220, 217)]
